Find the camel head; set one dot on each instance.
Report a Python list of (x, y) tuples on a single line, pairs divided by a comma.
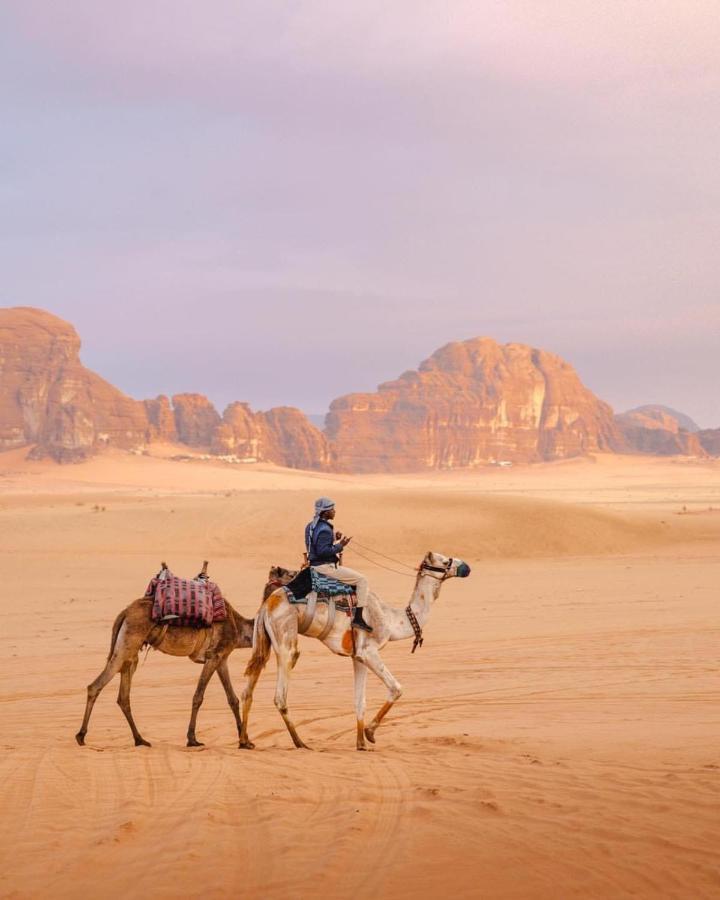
[(447, 566), (279, 576)]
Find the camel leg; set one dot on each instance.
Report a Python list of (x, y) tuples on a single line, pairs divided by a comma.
[(360, 672), (126, 673), (286, 659), (372, 659), (232, 697), (208, 670), (112, 667), (247, 699)]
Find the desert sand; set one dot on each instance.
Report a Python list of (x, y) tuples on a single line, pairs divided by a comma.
[(557, 736)]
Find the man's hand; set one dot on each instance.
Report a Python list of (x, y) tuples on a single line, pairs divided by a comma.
[(344, 541)]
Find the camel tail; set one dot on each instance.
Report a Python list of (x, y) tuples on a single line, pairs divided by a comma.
[(261, 644), (117, 625)]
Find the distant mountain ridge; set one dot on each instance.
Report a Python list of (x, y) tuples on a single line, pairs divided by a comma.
[(50, 401), (471, 403), (662, 431), (664, 414)]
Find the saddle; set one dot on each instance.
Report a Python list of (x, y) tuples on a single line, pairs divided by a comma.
[(309, 588), (197, 602)]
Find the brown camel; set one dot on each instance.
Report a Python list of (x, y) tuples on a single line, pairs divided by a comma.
[(133, 629)]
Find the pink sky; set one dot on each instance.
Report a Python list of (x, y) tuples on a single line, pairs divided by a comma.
[(319, 195)]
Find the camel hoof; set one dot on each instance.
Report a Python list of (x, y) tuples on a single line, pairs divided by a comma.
[(370, 735), (246, 745), (80, 738), (302, 746), (141, 742), (363, 747), (192, 742)]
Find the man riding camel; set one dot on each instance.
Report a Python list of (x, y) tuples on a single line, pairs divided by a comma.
[(324, 549)]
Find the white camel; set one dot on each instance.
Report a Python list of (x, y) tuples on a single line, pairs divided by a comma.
[(277, 625)]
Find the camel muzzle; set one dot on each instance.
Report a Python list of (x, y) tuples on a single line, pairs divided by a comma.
[(463, 570)]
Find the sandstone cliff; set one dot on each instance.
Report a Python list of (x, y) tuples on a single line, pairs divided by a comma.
[(471, 403), (195, 419), (161, 419), (48, 398), (710, 440), (282, 435), (657, 430), (298, 442), (665, 415)]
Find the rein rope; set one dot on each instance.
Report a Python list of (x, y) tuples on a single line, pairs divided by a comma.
[(382, 566), (391, 559)]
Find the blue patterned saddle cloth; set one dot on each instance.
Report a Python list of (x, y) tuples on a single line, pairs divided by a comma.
[(324, 586)]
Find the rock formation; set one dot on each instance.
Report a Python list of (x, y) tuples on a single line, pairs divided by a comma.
[(710, 440), (471, 403), (49, 399), (282, 435), (668, 417), (297, 442), (161, 419), (657, 430), (195, 419)]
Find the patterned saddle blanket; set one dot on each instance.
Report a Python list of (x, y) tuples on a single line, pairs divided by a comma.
[(309, 582), (186, 601), (324, 586)]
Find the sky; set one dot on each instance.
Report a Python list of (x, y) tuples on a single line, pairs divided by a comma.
[(311, 197)]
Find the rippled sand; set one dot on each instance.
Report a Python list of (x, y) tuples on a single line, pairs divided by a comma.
[(557, 736)]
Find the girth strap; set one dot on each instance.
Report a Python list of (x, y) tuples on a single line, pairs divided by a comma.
[(307, 616), (330, 620)]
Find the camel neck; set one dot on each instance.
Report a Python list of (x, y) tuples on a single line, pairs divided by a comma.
[(425, 594)]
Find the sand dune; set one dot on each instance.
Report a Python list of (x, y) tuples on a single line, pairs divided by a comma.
[(557, 735)]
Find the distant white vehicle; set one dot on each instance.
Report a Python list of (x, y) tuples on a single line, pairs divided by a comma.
[(504, 462)]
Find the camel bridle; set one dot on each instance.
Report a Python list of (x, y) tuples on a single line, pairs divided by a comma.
[(424, 567), (444, 570)]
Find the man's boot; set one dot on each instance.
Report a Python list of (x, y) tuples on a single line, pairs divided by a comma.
[(358, 621)]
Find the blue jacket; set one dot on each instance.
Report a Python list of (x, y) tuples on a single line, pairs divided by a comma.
[(319, 543)]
